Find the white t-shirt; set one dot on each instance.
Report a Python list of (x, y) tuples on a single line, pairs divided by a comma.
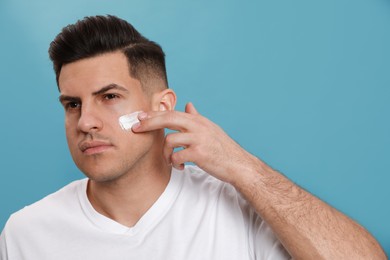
[(196, 217)]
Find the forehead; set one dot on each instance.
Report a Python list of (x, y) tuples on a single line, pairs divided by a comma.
[(93, 73)]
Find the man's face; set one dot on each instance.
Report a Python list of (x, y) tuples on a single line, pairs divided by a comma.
[(95, 92)]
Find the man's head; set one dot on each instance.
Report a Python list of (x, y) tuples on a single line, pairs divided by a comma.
[(105, 69), (97, 35)]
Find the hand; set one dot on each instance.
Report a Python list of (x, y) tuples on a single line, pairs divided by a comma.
[(204, 143)]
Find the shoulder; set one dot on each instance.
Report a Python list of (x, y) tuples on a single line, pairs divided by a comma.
[(52, 205), (199, 179), (231, 210), (203, 184)]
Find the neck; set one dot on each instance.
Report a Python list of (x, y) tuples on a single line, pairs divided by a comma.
[(129, 197)]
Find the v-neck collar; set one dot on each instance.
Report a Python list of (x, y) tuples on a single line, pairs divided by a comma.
[(146, 222)]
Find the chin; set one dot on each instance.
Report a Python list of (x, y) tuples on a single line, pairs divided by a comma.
[(99, 172), (102, 177), (109, 167)]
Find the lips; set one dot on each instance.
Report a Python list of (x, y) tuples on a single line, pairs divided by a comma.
[(94, 147)]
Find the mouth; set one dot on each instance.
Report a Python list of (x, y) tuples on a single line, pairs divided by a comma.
[(94, 147)]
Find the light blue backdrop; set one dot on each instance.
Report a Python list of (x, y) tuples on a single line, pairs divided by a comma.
[(305, 85)]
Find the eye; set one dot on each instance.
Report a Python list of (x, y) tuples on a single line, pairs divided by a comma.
[(110, 96), (72, 105)]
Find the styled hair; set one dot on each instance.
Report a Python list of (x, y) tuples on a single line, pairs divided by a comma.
[(96, 35)]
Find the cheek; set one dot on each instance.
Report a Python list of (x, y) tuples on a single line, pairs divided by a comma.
[(125, 108), (70, 126)]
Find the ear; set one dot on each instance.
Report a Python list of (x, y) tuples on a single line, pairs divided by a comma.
[(164, 100)]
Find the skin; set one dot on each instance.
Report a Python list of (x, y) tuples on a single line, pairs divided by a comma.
[(126, 166)]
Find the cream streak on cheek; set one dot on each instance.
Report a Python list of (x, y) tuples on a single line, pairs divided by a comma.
[(127, 121)]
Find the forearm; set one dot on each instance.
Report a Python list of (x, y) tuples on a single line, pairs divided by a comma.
[(306, 226)]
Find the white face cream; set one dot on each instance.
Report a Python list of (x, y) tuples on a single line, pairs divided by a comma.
[(127, 121)]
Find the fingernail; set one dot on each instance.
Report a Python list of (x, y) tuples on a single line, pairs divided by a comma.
[(136, 125), (142, 115)]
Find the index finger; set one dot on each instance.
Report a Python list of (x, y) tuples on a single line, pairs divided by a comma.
[(155, 120)]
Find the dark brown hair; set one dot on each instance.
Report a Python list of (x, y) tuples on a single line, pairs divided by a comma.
[(95, 35)]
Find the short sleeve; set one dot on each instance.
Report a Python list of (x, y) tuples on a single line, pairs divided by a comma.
[(3, 246)]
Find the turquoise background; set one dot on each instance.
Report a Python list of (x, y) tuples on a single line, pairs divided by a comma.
[(304, 85)]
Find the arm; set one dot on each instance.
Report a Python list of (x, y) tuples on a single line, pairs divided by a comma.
[(307, 227)]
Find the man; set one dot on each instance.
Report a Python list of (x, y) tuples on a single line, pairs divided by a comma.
[(139, 200)]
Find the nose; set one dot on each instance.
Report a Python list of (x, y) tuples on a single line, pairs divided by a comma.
[(89, 120)]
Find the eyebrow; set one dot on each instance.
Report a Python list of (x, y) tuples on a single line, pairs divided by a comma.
[(103, 90), (109, 87), (64, 98)]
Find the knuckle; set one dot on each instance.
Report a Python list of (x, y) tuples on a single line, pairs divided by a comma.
[(199, 151), (176, 158), (169, 139)]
